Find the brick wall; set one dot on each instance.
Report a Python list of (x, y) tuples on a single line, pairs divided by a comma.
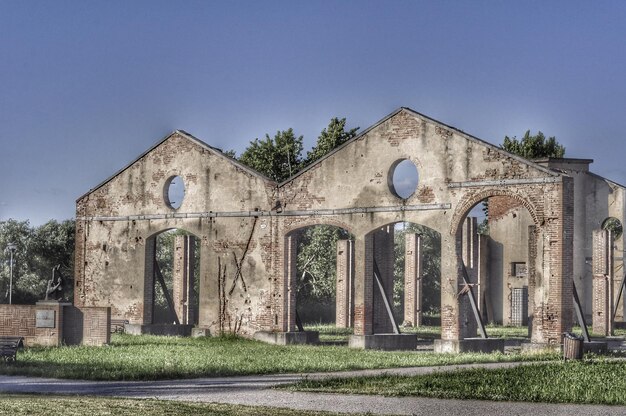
[(72, 325)]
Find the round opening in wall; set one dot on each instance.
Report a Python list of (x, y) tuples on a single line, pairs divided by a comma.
[(403, 178), (614, 225), (174, 192)]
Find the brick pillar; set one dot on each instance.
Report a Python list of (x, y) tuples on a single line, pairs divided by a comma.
[(450, 285), (532, 262), (183, 274), (413, 280), (363, 284), (384, 256), (484, 304), (345, 284), (288, 318), (602, 270), (469, 252), (553, 294), (148, 290)]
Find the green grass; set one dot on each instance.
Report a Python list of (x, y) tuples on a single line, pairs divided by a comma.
[(591, 381), (152, 358), (330, 333), (77, 406)]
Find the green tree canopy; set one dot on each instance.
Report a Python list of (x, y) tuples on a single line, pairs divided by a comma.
[(331, 137), (533, 147), (38, 250), (277, 157)]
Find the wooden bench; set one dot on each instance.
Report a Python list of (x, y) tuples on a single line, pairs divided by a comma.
[(9, 347), (117, 325)]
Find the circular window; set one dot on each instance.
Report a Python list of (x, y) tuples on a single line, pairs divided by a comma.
[(174, 192), (403, 178), (614, 225)]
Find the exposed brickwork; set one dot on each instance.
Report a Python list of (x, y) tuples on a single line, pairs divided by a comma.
[(222, 197), (345, 284), (602, 271), (21, 320), (499, 206), (413, 280), (183, 278), (384, 257)]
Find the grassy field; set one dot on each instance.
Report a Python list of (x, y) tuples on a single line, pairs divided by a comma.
[(152, 358), (77, 406), (592, 381)]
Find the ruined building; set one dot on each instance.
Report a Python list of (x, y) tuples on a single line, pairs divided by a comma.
[(246, 228)]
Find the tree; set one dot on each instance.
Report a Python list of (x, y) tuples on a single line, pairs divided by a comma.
[(317, 261), (39, 249), (281, 157), (165, 259), (431, 268), (278, 158), (533, 147), (331, 137)]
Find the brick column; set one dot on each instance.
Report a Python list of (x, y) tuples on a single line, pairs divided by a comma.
[(345, 284), (413, 280), (602, 271), (288, 319), (148, 290), (450, 285), (384, 256), (363, 284), (484, 303), (183, 275), (533, 252), (469, 253), (553, 295)]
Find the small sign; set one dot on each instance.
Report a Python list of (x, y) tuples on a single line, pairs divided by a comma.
[(520, 269), (45, 319)]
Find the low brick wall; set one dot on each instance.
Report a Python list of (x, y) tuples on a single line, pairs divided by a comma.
[(66, 324)]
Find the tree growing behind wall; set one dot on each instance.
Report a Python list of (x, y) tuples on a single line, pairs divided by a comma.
[(276, 157), (317, 272), (279, 158), (534, 147), (164, 252), (431, 268), (331, 137), (38, 250)]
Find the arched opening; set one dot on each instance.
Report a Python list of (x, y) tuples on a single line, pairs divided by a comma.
[(323, 266), (499, 250), (172, 276), (406, 262)]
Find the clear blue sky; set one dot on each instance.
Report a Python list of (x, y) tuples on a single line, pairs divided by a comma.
[(86, 86)]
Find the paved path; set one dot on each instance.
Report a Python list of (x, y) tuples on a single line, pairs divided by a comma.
[(256, 390)]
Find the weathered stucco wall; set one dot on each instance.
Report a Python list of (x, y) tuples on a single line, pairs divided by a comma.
[(349, 188)]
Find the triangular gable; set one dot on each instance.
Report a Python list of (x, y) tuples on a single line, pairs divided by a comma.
[(184, 134), (432, 120)]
